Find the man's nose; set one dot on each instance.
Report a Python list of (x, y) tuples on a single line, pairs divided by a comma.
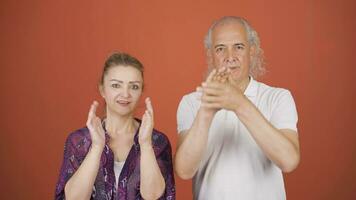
[(230, 56)]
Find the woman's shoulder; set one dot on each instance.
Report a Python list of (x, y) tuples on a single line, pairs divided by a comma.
[(79, 136), (159, 138)]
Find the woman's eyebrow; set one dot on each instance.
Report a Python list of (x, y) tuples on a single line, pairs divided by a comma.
[(116, 80)]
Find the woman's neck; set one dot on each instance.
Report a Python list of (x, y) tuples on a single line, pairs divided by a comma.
[(118, 125)]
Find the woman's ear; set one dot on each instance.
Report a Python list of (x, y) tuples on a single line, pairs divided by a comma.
[(101, 90)]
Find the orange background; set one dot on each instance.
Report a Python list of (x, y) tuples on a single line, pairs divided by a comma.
[(51, 57)]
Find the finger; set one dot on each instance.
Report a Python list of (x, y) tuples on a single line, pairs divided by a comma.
[(217, 75), (93, 108), (149, 106), (211, 99), (225, 78), (222, 70), (212, 92), (211, 75), (92, 112), (214, 85), (213, 79)]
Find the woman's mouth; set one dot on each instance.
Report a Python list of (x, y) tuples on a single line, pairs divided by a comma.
[(123, 102)]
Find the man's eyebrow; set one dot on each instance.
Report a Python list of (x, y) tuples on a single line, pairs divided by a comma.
[(222, 45), (219, 45)]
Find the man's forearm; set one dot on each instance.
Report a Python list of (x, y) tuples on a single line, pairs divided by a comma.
[(192, 145), (281, 147)]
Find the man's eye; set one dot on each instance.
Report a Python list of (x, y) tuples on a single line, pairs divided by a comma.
[(239, 47), (115, 85), (218, 49)]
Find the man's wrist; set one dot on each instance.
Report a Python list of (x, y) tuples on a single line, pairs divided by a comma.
[(206, 113), (243, 106)]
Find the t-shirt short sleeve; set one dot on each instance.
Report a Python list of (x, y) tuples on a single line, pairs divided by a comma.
[(186, 112), (284, 113)]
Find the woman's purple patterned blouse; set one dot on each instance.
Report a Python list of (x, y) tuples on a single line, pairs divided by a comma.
[(76, 148)]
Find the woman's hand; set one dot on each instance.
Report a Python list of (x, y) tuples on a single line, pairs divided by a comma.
[(95, 127), (145, 133)]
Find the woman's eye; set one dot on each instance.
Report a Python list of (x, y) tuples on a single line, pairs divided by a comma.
[(135, 87), (115, 85)]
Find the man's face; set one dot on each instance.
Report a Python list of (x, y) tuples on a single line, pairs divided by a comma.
[(230, 48)]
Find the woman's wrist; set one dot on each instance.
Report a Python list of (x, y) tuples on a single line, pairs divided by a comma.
[(146, 146), (97, 148)]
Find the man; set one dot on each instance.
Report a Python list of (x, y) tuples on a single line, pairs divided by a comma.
[(236, 135)]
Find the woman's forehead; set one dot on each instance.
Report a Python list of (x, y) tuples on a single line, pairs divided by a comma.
[(124, 73)]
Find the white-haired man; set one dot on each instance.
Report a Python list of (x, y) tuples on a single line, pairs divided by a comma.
[(236, 135)]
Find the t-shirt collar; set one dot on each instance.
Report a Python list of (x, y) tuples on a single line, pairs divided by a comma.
[(251, 90)]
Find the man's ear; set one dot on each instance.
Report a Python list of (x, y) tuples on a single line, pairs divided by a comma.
[(252, 51), (209, 58)]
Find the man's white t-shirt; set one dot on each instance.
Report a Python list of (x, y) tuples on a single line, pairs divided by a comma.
[(234, 166)]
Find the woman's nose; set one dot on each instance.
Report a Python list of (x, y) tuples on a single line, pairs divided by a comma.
[(125, 92)]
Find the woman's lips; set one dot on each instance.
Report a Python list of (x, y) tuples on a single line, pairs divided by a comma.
[(123, 102)]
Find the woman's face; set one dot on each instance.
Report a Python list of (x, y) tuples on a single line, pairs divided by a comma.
[(122, 89)]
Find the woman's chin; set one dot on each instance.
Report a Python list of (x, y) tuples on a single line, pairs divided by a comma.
[(122, 112)]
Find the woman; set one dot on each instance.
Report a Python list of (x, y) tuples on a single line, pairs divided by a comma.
[(119, 157)]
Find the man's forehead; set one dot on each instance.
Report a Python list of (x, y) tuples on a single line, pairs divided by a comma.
[(232, 32)]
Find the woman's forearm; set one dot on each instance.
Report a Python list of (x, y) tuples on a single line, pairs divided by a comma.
[(80, 185), (152, 182)]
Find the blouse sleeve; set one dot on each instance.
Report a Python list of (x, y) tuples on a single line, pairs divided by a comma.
[(70, 164), (164, 160)]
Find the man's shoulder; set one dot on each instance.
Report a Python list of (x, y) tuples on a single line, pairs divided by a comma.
[(265, 89), (192, 97), (273, 95), (190, 102)]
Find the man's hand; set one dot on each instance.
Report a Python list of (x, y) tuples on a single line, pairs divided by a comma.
[(215, 77), (221, 91)]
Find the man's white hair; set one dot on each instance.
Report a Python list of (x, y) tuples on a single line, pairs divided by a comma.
[(257, 67)]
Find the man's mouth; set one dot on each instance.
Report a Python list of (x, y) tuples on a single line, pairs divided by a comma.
[(232, 68)]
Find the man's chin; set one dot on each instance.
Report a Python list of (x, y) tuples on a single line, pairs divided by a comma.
[(235, 74)]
